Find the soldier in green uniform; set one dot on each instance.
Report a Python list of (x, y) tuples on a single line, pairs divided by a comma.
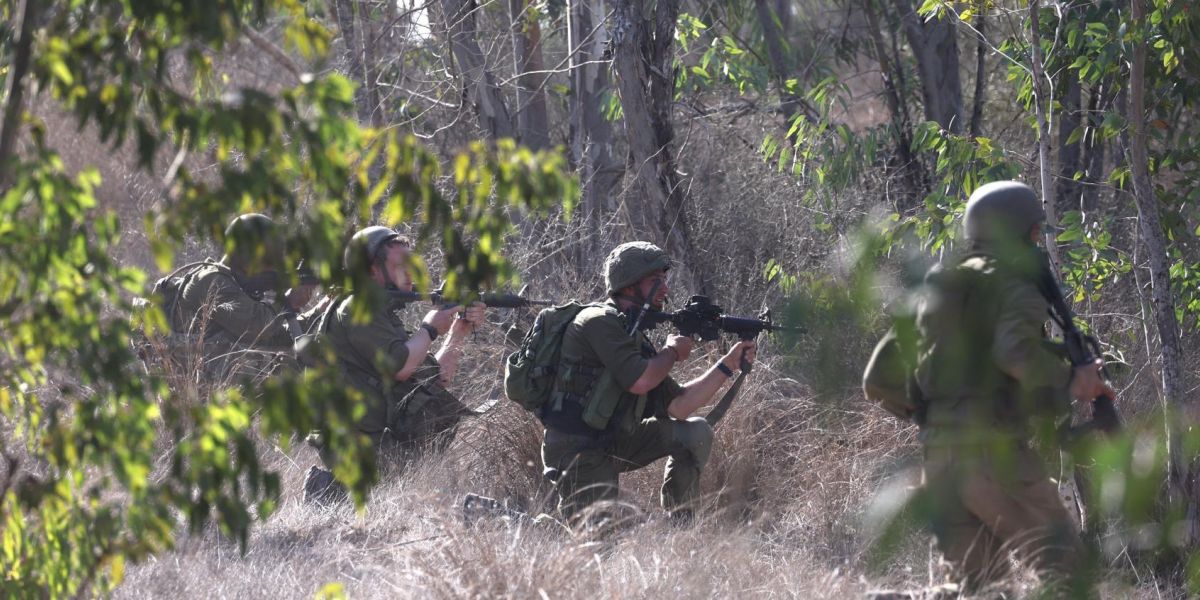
[(223, 304), (990, 384), (615, 408), (402, 380)]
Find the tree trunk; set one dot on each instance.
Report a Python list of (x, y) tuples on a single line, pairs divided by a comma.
[(479, 85), (15, 101), (643, 57), (591, 133), (1094, 148), (980, 73), (360, 59), (1041, 104), (1067, 189), (910, 167), (934, 43), (1180, 480), (533, 124), (776, 23)]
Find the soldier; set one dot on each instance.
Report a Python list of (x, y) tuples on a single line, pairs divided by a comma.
[(615, 407), (224, 302), (988, 384), (403, 382)]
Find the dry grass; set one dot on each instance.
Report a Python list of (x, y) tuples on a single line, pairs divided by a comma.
[(786, 494)]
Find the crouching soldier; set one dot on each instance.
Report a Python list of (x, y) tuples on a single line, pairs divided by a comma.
[(615, 407), (401, 379), (222, 309)]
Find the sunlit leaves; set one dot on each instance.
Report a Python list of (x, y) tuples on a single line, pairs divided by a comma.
[(72, 388)]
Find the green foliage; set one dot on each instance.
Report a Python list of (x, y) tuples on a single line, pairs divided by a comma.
[(96, 494)]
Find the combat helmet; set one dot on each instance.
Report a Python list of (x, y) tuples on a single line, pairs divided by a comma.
[(1002, 210), (253, 239), (364, 246), (630, 262)]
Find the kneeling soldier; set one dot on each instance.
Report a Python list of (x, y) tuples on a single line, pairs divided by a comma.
[(408, 409), (615, 407)]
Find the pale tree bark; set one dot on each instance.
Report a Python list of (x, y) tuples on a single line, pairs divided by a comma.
[(1041, 106), (1099, 101), (533, 124), (479, 85), (591, 133), (1181, 480), (643, 59), (934, 44)]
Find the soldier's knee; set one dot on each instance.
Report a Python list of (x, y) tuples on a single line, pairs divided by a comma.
[(696, 436)]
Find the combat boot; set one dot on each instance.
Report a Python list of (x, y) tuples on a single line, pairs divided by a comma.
[(322, 489)]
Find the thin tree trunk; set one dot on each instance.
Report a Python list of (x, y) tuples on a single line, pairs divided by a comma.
[(478, 83), (646, 82), (359, 59), (980, 73), (14, 102), (914, 175), (533, 124), (1180, 480), (775, 24), (1094, 148), (935, 45), (1040, 108), (1067, 189)]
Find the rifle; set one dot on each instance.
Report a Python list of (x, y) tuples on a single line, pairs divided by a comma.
[(701, 318), (491, 299), (1081, 349)]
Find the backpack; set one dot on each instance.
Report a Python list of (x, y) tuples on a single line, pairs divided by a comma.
[(890, 377), (529, 372), (167, 288)]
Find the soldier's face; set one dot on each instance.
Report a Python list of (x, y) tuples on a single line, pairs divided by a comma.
[(656, 282), (396, 265)]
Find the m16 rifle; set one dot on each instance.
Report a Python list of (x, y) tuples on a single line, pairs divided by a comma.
[(1081, 349), (700, 318), (491, 299)]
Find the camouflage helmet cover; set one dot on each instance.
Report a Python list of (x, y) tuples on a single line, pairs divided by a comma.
[(630, 262), (1002, 210), (365, 244), (253, 237)]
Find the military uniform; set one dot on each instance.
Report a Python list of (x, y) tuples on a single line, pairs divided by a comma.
[(989, 383), (595, 429), (401, 416), (234, 329)]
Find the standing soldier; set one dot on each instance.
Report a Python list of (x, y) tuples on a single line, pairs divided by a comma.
[(223, 302), (402, 381), (615, 408), (986, 384)]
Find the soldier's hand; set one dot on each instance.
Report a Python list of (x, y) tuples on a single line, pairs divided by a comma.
[(682, 345), (442, 319), (1087, 382), (745, 349), (297, 297), (470, 319)]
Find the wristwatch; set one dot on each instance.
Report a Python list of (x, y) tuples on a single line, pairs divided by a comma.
[(724, 369), (431, 330)]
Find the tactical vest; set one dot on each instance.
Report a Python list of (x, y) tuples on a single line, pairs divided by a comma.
[(592, 392)]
